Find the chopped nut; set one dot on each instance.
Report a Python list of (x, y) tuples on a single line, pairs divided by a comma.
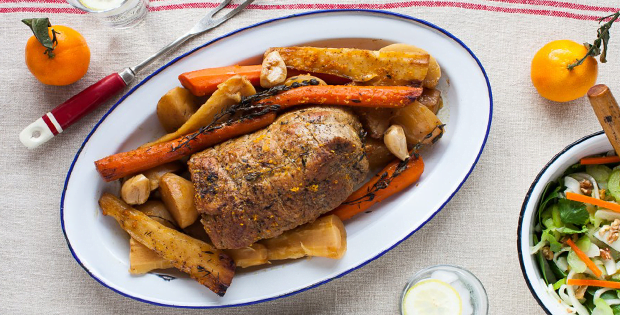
[(586, 187), (613, 229), (547, 253), (580, 292), (603, 193), (605, 253)]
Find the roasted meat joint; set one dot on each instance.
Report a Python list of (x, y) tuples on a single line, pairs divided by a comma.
[(262, 184)]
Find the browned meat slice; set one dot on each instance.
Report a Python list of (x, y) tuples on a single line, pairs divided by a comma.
[(260, 185)]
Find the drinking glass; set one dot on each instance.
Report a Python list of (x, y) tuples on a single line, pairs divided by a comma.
[(478, 295), (115, 13)]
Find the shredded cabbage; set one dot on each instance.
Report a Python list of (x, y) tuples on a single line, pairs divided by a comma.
[(581, 310), (599, 172), (572, 185), (602, 308)]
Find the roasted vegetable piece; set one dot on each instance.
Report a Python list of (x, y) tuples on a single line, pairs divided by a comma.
[(175, 108), (417, 121), (228, 93), (136, 190), (432, 99), (122, 164), (357, 64), (273, 71), (155, 173), (345, 95), (254, 255), (375, 120), (208, 265), (157, 211), (395, 177), (377, 153), (325, 237), (205, 81), (434, 71), (142, 259), (178, 195), (396, 142), (197, 231)]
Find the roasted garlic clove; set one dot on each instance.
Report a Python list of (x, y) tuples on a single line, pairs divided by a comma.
[(136, 190), (274, 70), (396, 141)]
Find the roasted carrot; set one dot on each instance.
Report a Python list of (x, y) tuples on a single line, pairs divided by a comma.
[(600, 160), (359, 96), (126, 163), (597, 272), (593, 201), (594, 283), (395, 177), (205, 81)]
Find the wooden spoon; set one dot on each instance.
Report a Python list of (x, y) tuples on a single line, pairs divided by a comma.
[(608, 113)]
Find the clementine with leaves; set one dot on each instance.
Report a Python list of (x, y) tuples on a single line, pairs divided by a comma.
[(56, 55), (564, 70), (552, 77)]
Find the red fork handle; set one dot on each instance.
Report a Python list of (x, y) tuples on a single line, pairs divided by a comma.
[(67, 113)]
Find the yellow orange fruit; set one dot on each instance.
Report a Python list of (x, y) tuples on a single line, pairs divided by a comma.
[(551, 76), (71, 57)]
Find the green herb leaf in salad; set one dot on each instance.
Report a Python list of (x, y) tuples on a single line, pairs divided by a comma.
[(572, 212)]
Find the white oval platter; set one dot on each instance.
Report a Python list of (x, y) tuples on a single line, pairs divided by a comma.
[(101, 247)]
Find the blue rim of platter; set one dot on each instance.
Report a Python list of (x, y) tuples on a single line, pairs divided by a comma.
[(380, 12), (526, 202)]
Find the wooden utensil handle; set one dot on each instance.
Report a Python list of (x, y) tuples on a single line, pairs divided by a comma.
[(608, 113)]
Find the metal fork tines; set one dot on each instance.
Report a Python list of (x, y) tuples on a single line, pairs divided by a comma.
[(208, 22)]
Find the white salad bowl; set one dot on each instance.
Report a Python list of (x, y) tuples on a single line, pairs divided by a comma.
[(101, 247), (593, 144)]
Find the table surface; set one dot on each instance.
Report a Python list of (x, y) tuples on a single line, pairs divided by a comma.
[(476, 230)]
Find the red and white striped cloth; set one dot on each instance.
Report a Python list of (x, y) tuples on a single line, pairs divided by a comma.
[(579, 11)]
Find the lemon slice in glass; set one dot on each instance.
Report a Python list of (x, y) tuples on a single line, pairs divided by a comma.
[(432, 297)]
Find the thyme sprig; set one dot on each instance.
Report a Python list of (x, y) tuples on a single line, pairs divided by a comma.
[(247, 108), (385, 179), (602, 37)]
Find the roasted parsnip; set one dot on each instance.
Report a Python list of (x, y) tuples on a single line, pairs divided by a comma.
[(175, 108), (208, 265), (325, 237), (357, 64), (178, 195), (228, 93), (434, 71), (253, 255), (142, 259), (155, 173)]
